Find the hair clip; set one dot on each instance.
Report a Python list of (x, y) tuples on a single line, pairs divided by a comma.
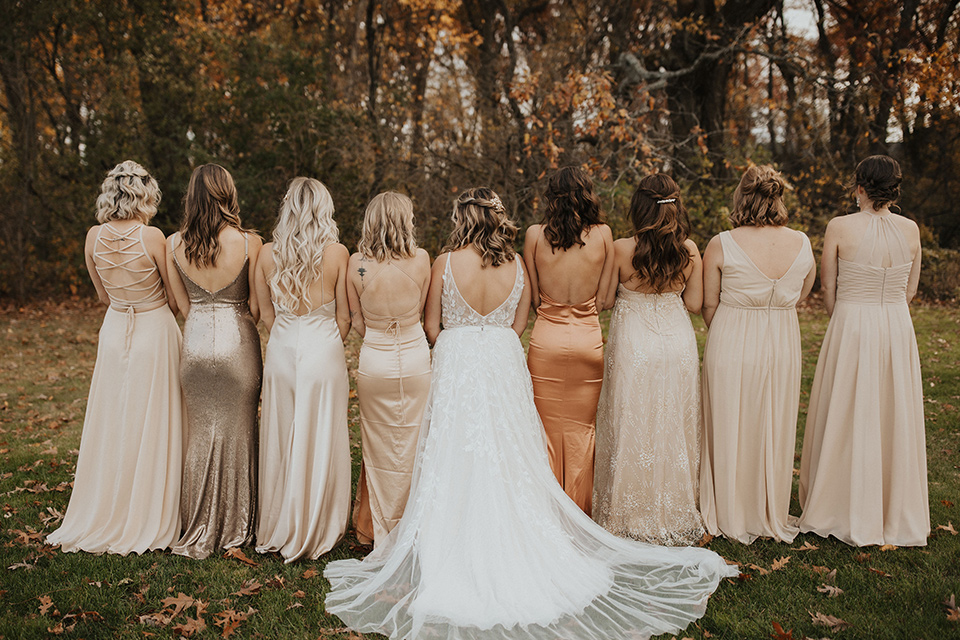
[(497, 204), (666, 200)]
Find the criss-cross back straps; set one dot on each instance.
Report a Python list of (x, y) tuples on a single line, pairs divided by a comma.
[(149, 283)]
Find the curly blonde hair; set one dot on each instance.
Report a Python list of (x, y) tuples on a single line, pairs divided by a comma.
[(479, 219), (128, 192), (758, 200), (305, 227), (388, 228)]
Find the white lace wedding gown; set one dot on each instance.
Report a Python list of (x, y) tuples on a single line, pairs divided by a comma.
[(489, 545)]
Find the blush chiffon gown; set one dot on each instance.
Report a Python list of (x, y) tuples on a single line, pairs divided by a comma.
[(489, 545)]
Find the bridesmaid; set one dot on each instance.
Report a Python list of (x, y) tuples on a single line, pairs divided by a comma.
[(387, 288), (863, 474), (304, 444), (569, 260), (215, 259), (753, 278), (127, 487), (648, 422)]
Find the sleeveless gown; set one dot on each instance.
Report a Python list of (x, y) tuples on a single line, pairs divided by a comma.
[(489, 545), (126, 491), (393, 381), (863, 473), (751, 395), (304, 490), (566, 365), (648, 423), (220, 373)]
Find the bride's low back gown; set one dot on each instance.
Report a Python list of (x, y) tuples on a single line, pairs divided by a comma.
[(489, 545)]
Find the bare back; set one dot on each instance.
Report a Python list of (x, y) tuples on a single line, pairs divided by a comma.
[(573, 275), (394, 288), (125, 257), (321, 291), (773, 250), (484, 289), (233, 253)]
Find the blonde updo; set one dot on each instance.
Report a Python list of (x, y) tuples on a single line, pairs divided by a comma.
[(388, 228), (479, 219), (129, 192), (758, 200)]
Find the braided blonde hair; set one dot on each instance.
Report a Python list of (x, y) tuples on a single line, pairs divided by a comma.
[(479, 219)]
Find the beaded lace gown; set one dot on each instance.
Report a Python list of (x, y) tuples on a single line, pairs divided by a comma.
[(220, 373), (863, 473), (648, 422), (126, 491), (489, 545)]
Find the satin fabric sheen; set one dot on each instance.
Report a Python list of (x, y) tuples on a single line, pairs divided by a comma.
[(566, 365)]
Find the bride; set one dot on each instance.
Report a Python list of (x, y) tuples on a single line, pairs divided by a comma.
[(489, 545)]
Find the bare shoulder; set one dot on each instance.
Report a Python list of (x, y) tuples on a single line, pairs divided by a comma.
[(92, 232), (173, 240), (692, 247), (907, 225), (440, 262), (624, 246), (255, 240), (265, 260), (422, 258), (533, 230), (338, 252)]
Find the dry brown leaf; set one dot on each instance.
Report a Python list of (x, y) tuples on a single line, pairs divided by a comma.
[(190, 627), (237, 554), (201, 607), (46, 602), (705, 540), (155, 619), (948, 528), (779, 633), (758, 569), (946, 503), (294, 605), (276, 582), (819, 569), (806, 546), (780, 564), (882, 573), (953, 613), (831, 622), (181, 602), (299, 594), (888, 547), (249, 588), (831, 591), (332, 631), (56, 629), (310, 573), (861, 557), (229, 620), (831, 576)]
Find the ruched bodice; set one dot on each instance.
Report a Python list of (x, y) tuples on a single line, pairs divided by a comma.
[(746, 287), (457, 313), (869, 278), (550, 309)]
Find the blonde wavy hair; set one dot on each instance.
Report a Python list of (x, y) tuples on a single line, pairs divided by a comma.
[(758, 200), (305, 227), (479, 219), (388, 228), (128, 192), (210, 205)]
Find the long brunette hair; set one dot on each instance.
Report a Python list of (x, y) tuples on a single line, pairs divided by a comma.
[(660, 228), (209, 206), (572, 206)]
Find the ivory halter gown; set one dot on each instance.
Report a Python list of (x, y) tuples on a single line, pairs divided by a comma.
[(566, 365), (393, 381), (126, 492), (489, 545), (751, 394), (648, 423), (863, 474), (304, 488), (220, 372)]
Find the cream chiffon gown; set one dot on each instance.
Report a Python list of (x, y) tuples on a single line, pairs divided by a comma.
[(648, 423), (751, 395), (304, 443), (489, 545), (126, 493), (863, 474)]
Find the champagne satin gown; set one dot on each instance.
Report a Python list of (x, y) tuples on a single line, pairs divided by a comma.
[(126, 492), (863, 473), (393, 382), (751, 395), (220, 373), (648, 422), (566, 364), (304, 492)]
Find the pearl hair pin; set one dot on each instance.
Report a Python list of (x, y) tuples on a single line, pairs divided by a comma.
[(665, 201)]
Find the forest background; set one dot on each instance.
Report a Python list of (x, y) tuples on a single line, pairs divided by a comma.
[(430, 97)]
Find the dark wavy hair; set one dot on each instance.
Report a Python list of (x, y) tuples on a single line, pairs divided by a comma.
[(880, 176), (209, 206), (572, 206), (660, 228), (480, 219)]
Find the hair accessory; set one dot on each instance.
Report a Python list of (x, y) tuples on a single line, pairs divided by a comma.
[(666, 200), (497, 204)]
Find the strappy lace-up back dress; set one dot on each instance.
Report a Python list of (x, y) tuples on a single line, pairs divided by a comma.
[(126, 491), (489, 545)]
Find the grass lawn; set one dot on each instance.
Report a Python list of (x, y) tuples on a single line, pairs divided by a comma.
[(46, 358)]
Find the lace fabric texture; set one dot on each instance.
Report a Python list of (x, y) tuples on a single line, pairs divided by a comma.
[(648, 423), (489, 545)]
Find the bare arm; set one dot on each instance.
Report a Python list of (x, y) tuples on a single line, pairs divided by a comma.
[(432, 310), (353, 296), (607, 289), (523, 307), (181, 299), (712, 272), (264, 271), (693, 286), (829, 267), (88, 248), (341, 258), (530, 241), (253, 253)]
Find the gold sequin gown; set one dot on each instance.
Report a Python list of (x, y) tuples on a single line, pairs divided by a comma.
[(648, 423), (220, 373)]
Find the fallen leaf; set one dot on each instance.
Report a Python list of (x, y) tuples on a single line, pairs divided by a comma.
[(155, 619), (946, 503), (56, 630), (953, 613), (310, 573), (276, 582), (294, 605), (758, 569), (780, 564), (705, 540), (181, 602), (46, 602), (237, 554), (882, 573), (201, 607), (249, 588), (888, 547), (831, 591), (861, 557), (190, 627), (807, 546), (299, 594), (948, 528), (779, 633), (831, 622)]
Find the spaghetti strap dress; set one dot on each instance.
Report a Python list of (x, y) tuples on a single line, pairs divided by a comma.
[(126, 492)]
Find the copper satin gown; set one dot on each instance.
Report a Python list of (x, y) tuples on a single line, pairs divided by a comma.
[(566, 364), (393, 382), (220, 373)]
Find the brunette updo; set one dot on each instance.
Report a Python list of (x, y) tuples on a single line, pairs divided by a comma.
[(880, 176), (758, 200)]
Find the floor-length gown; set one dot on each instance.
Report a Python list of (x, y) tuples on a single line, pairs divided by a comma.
[(304, 491), (863, 473), (220, 372), (751, 394), (566, 365), (126, 492), (393, 382), (648, 422), (489, 545)]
